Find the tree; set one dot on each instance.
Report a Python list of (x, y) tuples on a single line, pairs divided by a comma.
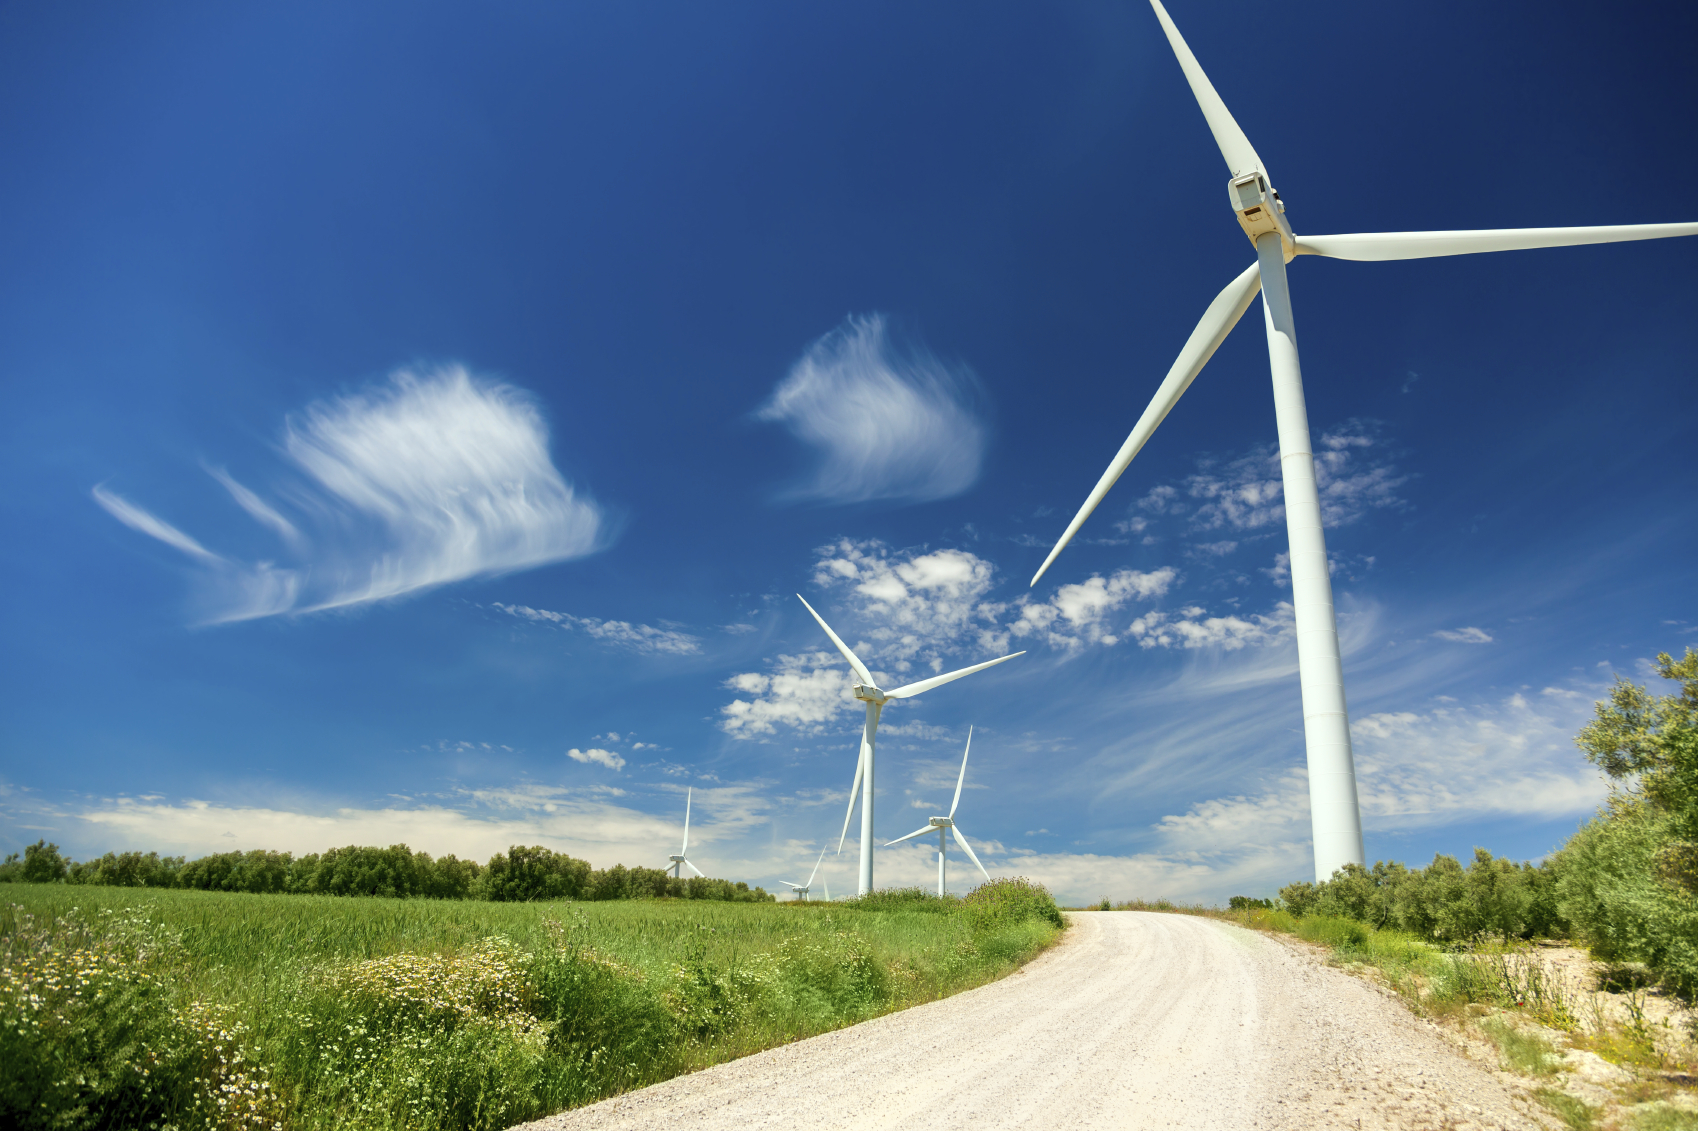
[(1649, 744), (43, 864)]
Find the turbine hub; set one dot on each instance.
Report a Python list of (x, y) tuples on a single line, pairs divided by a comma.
[(870, 694), (941, 822), (1260, 210)]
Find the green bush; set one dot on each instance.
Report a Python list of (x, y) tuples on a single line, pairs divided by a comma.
[(1332, 932), (1015, 900)]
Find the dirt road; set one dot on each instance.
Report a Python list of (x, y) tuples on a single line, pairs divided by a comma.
[(1134, 1021)]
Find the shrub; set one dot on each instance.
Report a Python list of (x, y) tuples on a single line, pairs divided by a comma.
[(1241, 903), (1016, 900), (1332, 932)]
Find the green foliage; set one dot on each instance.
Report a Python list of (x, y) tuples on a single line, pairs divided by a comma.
[(1243, 903), (1521, 1052), (903, 899), (41, 864), (1628, 880), (1332, 932), (1575, 1114), (1005, 902), (328, 1013), (1443, 901), (520, 875)]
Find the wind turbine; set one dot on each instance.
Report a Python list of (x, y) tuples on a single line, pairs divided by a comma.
[(678, 860), (1336, 817), (869, 693), (942, 824), (801, 890)]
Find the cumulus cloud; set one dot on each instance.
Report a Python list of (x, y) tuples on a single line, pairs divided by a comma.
[(1469, 635), (1192, 627), (427, 479), (1079, 614), (600, 757), (801, 692), (885, 423), (623, 634)]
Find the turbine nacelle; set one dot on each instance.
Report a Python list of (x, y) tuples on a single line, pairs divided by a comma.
[(870, 694), (940, 823), (1260, 210)]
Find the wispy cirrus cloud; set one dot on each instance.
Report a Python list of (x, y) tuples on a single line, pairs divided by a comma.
[(885, 423), (1468, 635), (1244, 492), (623, 634), (427, 479)]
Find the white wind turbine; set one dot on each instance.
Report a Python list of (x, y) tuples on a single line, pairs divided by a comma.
[(1337, 822), (941, 824), (678, 860), (869, 693), (801, 890)]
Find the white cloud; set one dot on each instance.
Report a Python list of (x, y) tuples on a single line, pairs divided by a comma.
[(804, 692), (428, 479), (885, 425), (135, 518), (601, 757), (1079, 613), (636, 637), (1246, 492), (1192, 627), (1468, 635)]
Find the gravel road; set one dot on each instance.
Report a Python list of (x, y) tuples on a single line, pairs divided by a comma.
[(1134, 1020)]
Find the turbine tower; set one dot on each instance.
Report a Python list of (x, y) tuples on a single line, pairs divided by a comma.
[(947, 824), (1333, 808), (678, 861), (869, 693), (801, 890)]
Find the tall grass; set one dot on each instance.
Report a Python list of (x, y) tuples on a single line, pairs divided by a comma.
[(318, 1012)]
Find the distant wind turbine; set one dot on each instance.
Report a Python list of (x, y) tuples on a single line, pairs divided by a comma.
[(1334, 811), (875, 699), (943, 824), (801, 890), (678, 860)]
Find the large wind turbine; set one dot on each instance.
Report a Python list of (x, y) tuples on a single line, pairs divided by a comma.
[(1337, 821), (678, 861), (869, 693), (941, 824)]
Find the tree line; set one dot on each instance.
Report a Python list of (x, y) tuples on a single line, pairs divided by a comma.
[(518, 875), (1626, 884)]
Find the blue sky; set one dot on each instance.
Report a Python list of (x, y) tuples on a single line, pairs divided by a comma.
[(420, 418)]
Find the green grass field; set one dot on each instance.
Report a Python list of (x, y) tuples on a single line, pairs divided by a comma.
[(149, 1008)]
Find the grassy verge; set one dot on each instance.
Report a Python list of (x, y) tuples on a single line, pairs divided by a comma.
[(189, 1009)]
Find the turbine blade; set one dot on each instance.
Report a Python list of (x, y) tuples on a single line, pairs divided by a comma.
[(968, 849), (860, 765), (1234, 146), (695, 869), (855, 663), (686, 846), (788, 884), (960, 781), (910, 836), (1217, 322), (816, 870), (1377, 246), (939, 680)]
